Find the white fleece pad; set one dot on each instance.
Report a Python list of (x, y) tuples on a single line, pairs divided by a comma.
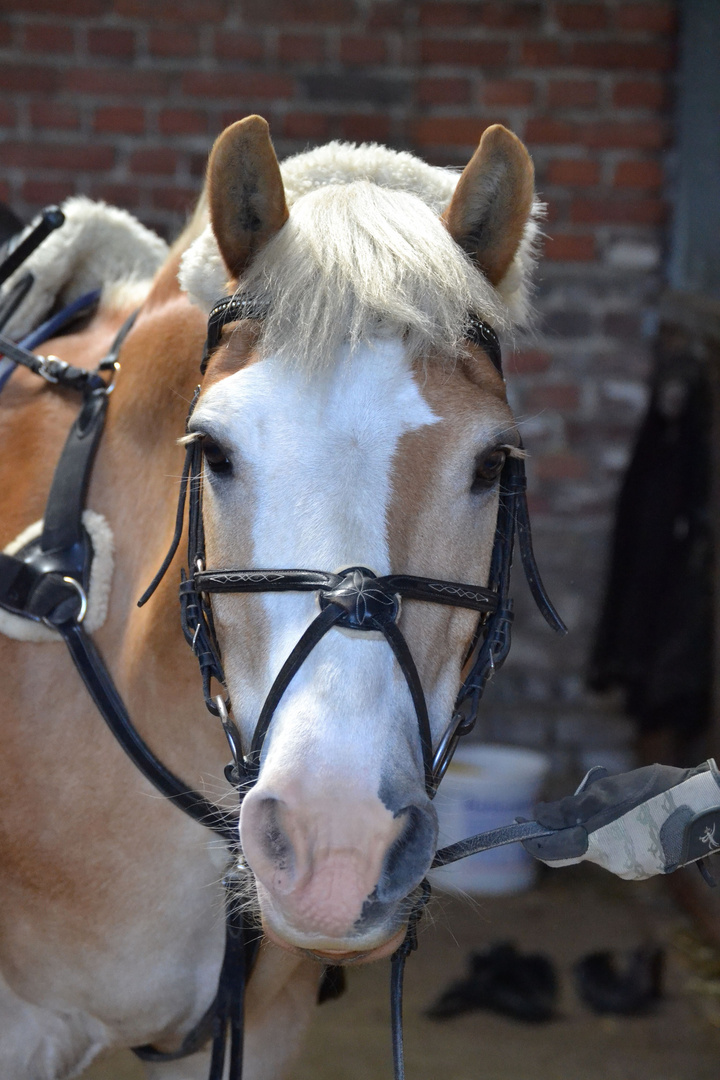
[(101, 571), (99, 246)]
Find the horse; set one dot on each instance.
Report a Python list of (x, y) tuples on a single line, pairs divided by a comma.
[(344, 419)]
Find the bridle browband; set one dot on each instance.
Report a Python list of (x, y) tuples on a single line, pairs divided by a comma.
[(48, 579)]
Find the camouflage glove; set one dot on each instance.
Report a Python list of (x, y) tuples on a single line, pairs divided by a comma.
[(636, 824)]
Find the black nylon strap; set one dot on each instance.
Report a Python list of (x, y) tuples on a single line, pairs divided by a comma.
[(102, 689), (63, 511), (50, 368), (52, 218)]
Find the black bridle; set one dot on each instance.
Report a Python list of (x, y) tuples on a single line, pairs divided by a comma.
[(356, 599), (47, 581)]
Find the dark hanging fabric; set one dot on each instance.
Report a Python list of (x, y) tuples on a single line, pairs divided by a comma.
[(654, 640)]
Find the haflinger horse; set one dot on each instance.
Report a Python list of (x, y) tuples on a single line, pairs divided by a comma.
[(354, 424)]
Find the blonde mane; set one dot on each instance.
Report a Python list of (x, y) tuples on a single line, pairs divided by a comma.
[(363, 254)]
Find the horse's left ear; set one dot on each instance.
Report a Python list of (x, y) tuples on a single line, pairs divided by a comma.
[(492, 202), (245, 192)]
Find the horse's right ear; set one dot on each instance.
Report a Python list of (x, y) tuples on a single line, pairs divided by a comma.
[(245, 192)]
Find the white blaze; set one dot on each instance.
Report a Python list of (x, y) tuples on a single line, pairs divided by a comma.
[(313, 461)]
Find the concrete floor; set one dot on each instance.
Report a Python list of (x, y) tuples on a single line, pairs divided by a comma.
[(571, 913)]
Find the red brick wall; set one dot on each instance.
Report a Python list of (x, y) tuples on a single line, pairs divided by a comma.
[(121, 99)]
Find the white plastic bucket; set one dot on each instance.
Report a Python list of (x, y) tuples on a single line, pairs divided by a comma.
[(486, 787)]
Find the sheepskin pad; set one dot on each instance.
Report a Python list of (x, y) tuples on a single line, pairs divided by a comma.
[(98, 246), (101, 571)]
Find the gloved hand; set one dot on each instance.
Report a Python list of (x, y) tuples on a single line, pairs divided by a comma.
[(636, 824)]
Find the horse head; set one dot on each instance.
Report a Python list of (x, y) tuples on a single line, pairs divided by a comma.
[(352, 425)]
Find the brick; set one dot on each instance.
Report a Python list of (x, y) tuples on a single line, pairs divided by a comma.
[(8, 115), (301, 125), (640, 94), (83, 8), (570, 248), (443, 91), (127, 195), (120, 119), (572, 93), (154, 160), (386, 15), (54, 115), (446, 15), (46, 38), (5, 191), (508, 92), (237, 84), (505, 15), (581, 16), (108, 41), (654, 17), (573, 171), (375, 90), (116, 81), (298, 11), (230, 45), (622, 54), (197, 163), (182, 122), (44, 192), (623, 324), (70, 156), (560, 466), (543, 129), (448, 131), (362, 49), (309, 47), (564, 397), (639, 174), (633, 135), (618, 211), (542, 53), (23, 78), (171, 41), (461, 51), (530, 361), (365, 128), (179, 200), (206, 12)]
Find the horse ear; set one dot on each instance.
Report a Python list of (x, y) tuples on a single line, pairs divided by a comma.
[(492, 202), (245, 192)]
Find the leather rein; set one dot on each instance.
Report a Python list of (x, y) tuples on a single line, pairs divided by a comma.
[(48, 580)]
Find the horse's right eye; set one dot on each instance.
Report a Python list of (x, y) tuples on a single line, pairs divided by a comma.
[(215, 457)]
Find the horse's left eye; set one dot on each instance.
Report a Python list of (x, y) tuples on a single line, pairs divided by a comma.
[(487, 469), (215, 457)]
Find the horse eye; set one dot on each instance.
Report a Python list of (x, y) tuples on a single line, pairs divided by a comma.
[(487, 470), (215, 457)]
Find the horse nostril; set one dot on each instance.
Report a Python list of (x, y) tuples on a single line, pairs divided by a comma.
[(262, 827), (410, 855)]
